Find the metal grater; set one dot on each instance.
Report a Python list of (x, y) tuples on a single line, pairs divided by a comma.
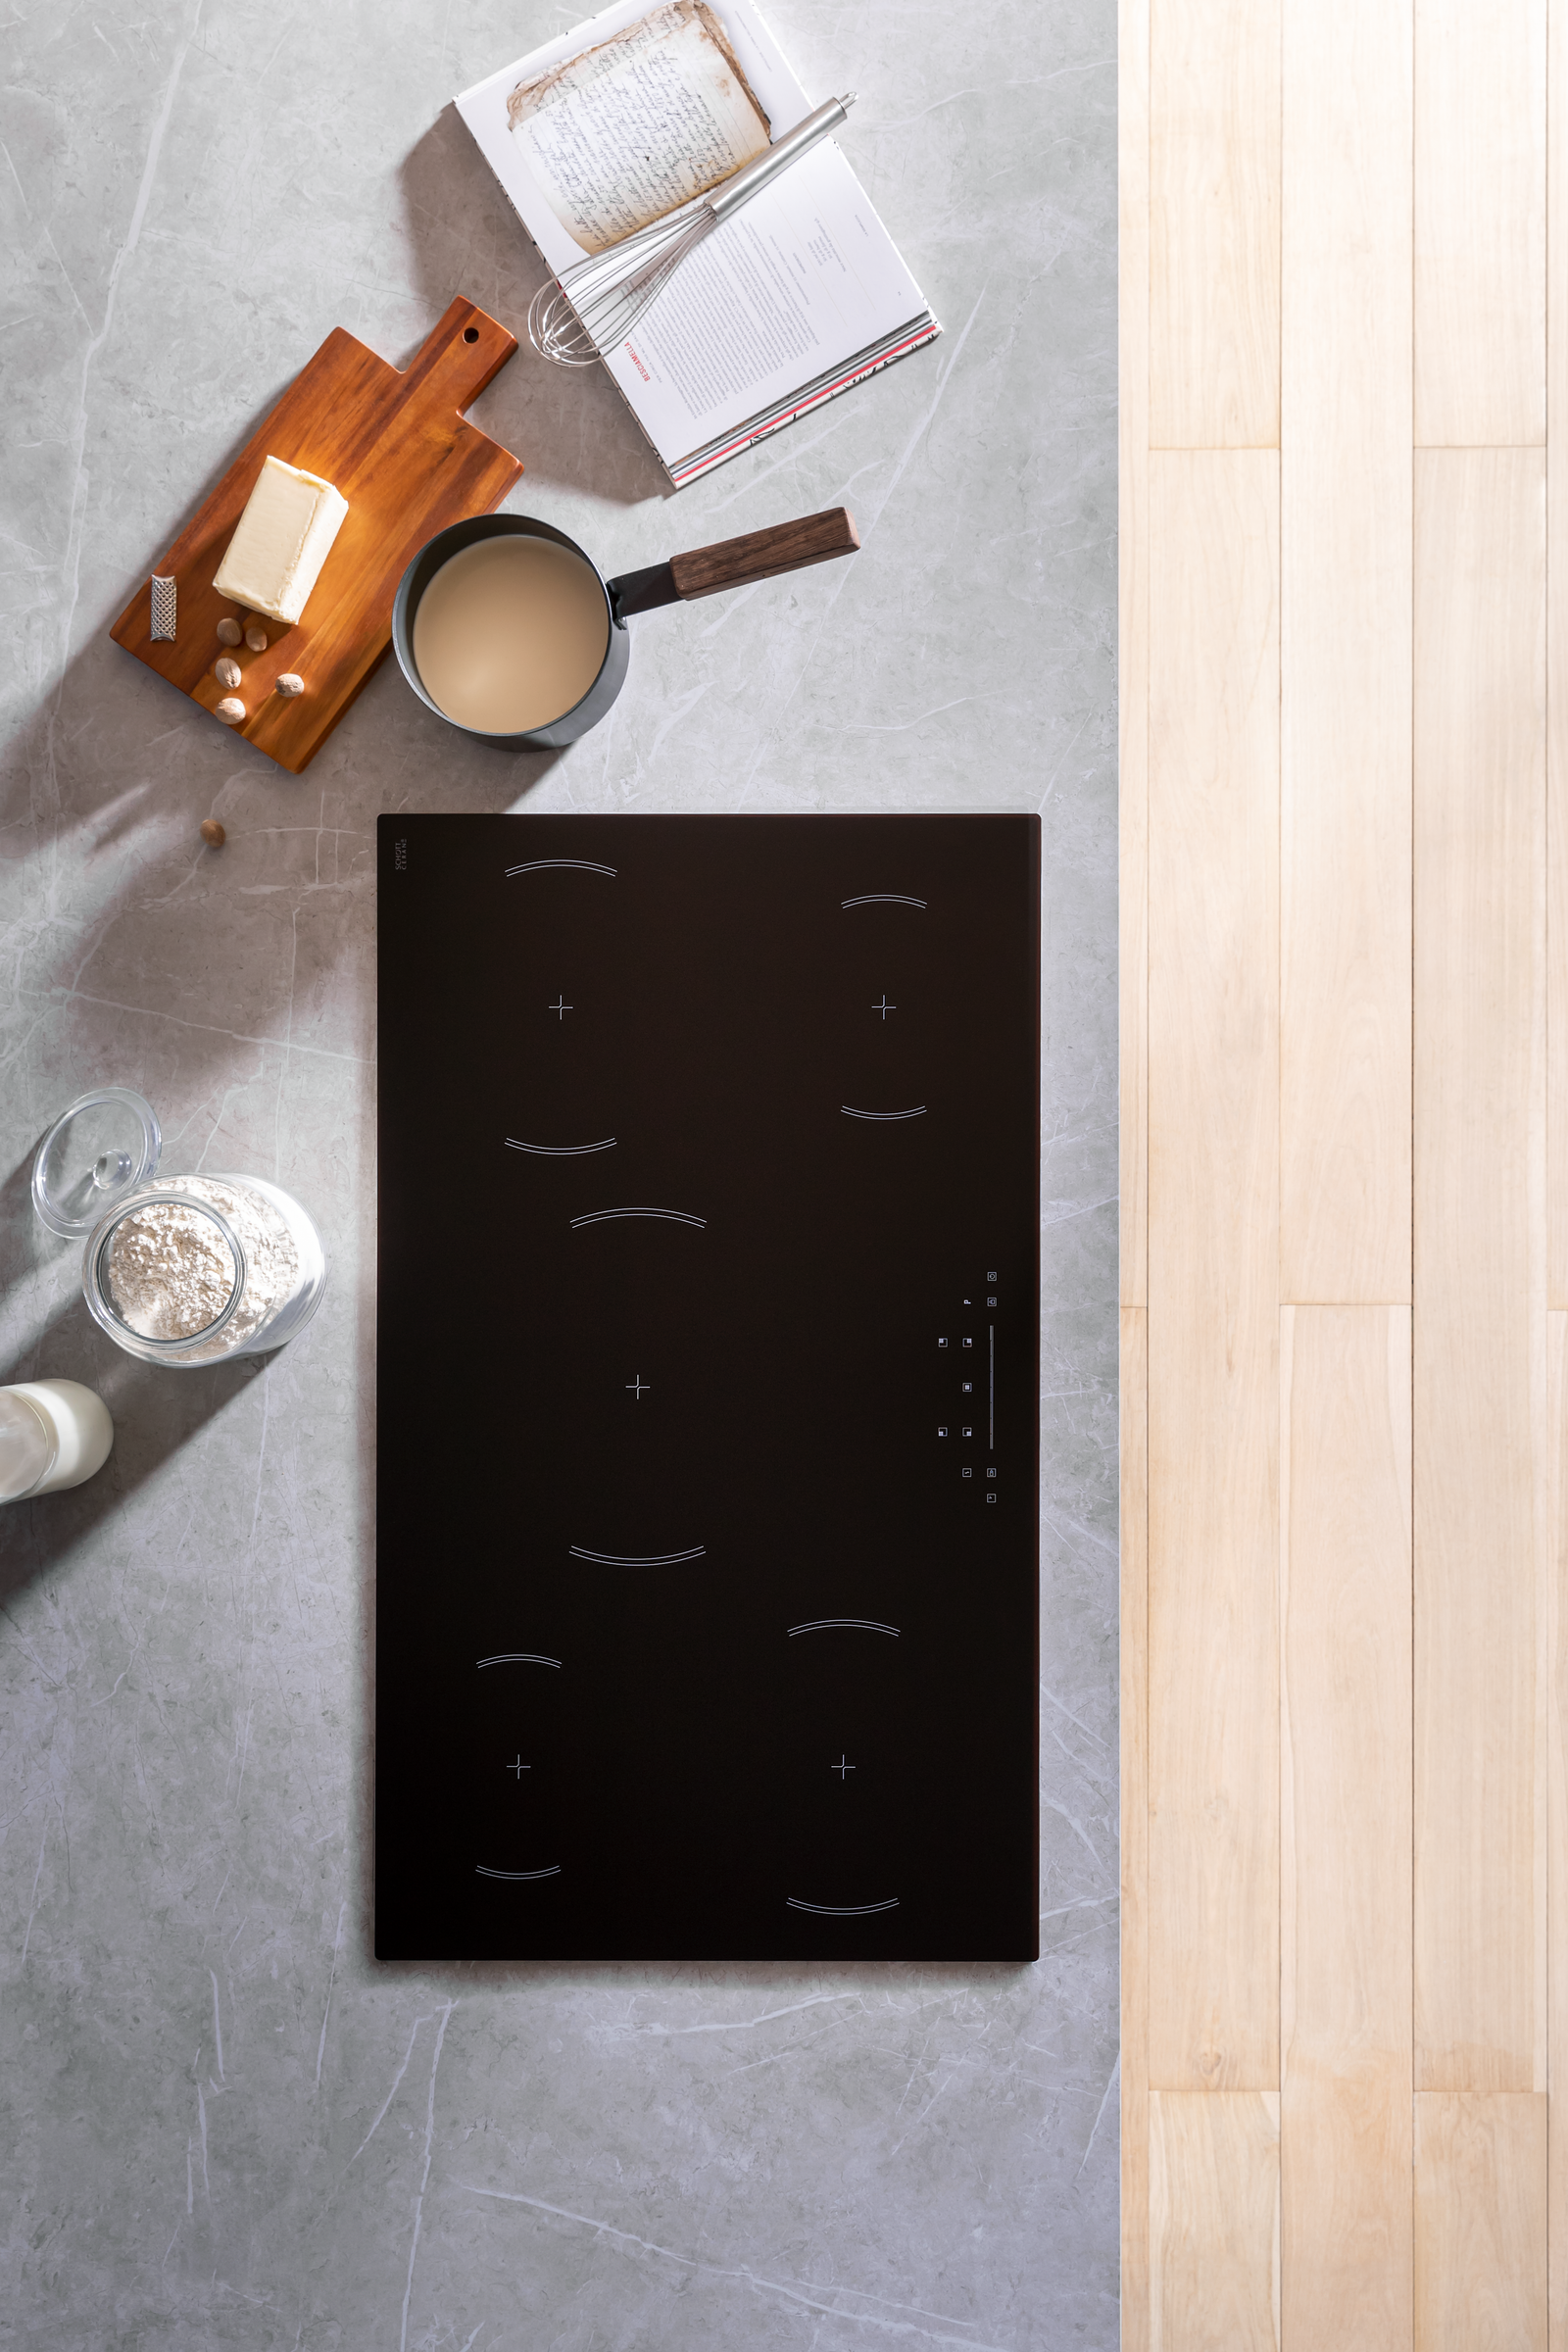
[(164, 604)]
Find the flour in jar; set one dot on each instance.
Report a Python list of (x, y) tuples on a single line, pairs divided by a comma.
[(171, 1273)]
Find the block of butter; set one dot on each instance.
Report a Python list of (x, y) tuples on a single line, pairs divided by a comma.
[(281, 541)]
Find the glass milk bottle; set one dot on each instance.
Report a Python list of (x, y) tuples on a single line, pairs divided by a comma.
[(53, 1434)]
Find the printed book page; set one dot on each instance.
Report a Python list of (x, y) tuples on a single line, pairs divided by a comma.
[(638, 125), (799, 280)]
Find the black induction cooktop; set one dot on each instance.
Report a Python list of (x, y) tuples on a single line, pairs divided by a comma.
[(707, 1387)]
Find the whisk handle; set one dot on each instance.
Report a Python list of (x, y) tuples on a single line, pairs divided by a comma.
[(778, 157)]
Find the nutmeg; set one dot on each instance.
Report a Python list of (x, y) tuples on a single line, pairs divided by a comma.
[(231, 711), (256, 637), (229, 632), (290, 682), (225, 670), (212, 833)]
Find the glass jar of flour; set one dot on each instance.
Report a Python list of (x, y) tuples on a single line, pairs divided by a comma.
[(191, 1270)]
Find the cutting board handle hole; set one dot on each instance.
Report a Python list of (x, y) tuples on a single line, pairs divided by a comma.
[(470, 334)]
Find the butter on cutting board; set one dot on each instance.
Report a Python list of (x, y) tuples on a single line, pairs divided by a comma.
[(281, 541)]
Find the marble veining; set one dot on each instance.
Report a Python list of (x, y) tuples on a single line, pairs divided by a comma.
[(226, 2125)]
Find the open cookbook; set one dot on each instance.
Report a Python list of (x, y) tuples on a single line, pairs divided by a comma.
[(795, 299)]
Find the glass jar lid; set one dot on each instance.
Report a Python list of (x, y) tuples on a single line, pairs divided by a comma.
[(101, 1148)]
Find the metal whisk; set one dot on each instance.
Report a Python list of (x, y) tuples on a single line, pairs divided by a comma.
[(589, 312)]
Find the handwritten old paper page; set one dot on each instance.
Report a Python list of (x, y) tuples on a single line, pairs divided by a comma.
[(628, 131)]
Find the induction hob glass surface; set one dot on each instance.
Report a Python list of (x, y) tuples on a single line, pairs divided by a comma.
[(707, 1387)]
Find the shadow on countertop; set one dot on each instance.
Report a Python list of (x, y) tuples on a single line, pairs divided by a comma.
[(123, 769), (153, 1414), (99, 750), (570, 426)]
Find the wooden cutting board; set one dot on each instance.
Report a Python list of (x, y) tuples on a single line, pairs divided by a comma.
[(407, 464)]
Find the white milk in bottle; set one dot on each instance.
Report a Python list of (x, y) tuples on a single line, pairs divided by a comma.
[(53, 1434)]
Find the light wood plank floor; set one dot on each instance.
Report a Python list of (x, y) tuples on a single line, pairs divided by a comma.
[(1344, 1212)]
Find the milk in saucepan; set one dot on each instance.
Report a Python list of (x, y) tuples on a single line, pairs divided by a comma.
[(509, 634)]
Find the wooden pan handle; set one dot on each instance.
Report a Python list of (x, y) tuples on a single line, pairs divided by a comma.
[(760, 555)]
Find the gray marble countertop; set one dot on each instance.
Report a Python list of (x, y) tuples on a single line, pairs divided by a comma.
[(225, 2125)]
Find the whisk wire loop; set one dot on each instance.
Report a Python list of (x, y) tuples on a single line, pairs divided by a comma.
[(594, 307), (590, 309)]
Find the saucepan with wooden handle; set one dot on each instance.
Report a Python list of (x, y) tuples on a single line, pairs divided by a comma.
[(507, 629)]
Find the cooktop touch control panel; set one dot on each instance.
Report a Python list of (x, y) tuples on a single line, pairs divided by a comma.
[(965, 1398), (707, 1552)]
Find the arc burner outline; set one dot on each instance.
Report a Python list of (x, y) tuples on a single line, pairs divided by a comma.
[(482, 1869), (559, 1150), (793, 1902), (653, 1559), (676, 1216), (883, 897), (849, 1113), (517, 1657), (823, 1625), (581, 865)]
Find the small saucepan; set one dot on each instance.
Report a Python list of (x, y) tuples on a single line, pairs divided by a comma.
[(507, 629)]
